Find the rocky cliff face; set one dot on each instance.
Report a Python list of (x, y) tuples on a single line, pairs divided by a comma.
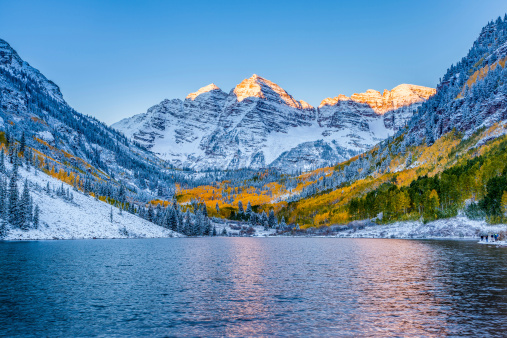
[(258, 124), (400, 96), (254, 111), (174, 128)]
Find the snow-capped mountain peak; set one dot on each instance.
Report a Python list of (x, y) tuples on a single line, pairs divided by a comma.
[(400, 96), (257, 86), (331, 101), (259, 124), (205, 89), (305, 105)]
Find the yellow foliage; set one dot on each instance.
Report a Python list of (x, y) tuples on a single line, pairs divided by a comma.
[(481, 74), (504, 203)]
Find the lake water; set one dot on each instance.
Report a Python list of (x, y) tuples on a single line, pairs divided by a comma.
[(252, 287)]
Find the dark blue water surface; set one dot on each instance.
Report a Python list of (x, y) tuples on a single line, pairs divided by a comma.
[(252, 287)]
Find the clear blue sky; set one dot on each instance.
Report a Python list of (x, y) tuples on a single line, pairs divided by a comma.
[(113, 59)]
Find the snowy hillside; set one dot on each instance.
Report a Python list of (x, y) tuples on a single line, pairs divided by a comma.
[(471, 95), (258, 124), (32, 108), (81, 217), (456, 227)]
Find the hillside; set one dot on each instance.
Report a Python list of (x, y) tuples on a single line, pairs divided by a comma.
[(78, 218), (38, 129)]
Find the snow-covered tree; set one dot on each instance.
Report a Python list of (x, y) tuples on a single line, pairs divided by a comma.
[(36, 217), (272, 219)]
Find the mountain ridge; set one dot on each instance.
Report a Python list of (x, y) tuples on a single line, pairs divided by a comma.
[(258, 124)]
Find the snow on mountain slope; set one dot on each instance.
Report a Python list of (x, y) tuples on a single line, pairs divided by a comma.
[(32, 107), (254, 110), (471, 95), (258, 124), (84, 217), (10, 61), (173, 129), (456, 227)]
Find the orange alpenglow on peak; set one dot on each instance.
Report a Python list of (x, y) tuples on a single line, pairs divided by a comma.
[(305, 105), (202, 90), (400, 96), (253, 87)]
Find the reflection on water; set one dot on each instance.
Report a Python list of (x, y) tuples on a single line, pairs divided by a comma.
[(249, 287)]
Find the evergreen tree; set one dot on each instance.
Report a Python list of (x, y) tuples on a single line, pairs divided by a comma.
[(36, 217), (2, 161), (150, 215), (15, 165), (3, 228), (264, 220), (253, 218), (272, 219), (22, 143), (204, 210), (248, 212), (172, 219), (3, 199), (188, 228), (282, 224), (12, 208), (24, 208), (122, 195), (111, 215)]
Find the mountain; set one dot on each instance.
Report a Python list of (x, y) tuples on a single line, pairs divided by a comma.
[(471, 95), (32, 107), (440, 173), (258, 124), (79, 177)]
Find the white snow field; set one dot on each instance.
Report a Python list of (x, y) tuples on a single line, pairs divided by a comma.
[(456, 227), (82, 218)]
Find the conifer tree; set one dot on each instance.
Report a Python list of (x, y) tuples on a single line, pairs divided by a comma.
[(150, 215), (22, 143), (204, 210), (240, 208), (282, 224), (24, 208), (12, 208), (3, 227), (187, 224), (264, 220), (272, 219), (248, 212), (2, 161), (3, 198), (36, 217)]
